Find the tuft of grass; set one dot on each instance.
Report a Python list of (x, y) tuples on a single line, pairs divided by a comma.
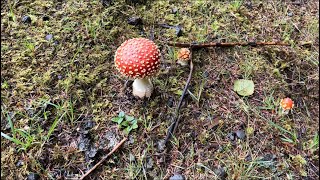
[(20, 137), (288, 136), (28, 137), (269, 102)]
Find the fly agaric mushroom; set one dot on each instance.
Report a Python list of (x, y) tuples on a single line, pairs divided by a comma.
[(138, 58), (287, 104), (183, 56)]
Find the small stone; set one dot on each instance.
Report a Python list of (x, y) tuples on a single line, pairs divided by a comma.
[(56, 42), (83, 143), (26, 19), (268, 157), (240, 134), (231, 136), (131, 139), (170, 102), (248, 158), (49, 37), (176, 177), (33, 176), (248, 5), (149, 163), (290, 14), (297, 2), (112, 138), (220, 172), (135, 21), (106, 3), (178, 31), (92, 152), (174, 10), (161, 145), (19, 163), (131, 157), (134, 2), (45, 18), (205, 74), (89, 125)]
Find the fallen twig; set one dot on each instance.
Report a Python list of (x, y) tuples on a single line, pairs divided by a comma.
[(253, 44), (175, 122), (104, 158)]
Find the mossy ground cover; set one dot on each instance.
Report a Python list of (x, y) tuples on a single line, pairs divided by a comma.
[(60, 90)]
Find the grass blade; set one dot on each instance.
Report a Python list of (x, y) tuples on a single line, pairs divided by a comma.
[(54, 125), (16, 141)]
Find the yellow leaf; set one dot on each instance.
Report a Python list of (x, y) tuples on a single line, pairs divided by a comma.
[(250, 130)]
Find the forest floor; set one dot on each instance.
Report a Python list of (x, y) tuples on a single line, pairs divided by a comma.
[(60, 90)]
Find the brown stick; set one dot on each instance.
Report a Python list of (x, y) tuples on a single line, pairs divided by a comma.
[(175, 122), (103, 159), (253, 44)]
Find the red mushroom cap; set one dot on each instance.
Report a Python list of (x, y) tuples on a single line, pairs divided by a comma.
[(287, 103), (137, 58)]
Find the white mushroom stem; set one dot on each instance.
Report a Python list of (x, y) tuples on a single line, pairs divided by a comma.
[(183, 62), (142, 87)]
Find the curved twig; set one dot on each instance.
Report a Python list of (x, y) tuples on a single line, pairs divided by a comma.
[(104, 158), (253, 44), (174, 125)]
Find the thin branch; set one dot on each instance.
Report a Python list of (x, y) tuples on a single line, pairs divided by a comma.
[(253, 44), (175, 122), (103, 159)]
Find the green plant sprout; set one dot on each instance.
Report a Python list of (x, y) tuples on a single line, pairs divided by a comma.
[(129, 123)]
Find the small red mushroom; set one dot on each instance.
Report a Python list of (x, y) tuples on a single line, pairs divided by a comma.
[(287, 104), (138, 58), (183, 56)]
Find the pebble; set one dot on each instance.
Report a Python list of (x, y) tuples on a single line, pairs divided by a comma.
[(131, 139), (240, 134), (290, 14), (49, 37), (26, 19), (248, 5), (268, 157), (33, 176), (231, 136), (45, 18), (106, 3), (135, 21), (174, 10), (205, 74), (176, 177), (89, 125), (92, 152), (170, 102), (220, 172), (131, 157), (19, 163), (83, 143), (248, 158), (149, 163), (178, 31), (161, 145), (56, 42)]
